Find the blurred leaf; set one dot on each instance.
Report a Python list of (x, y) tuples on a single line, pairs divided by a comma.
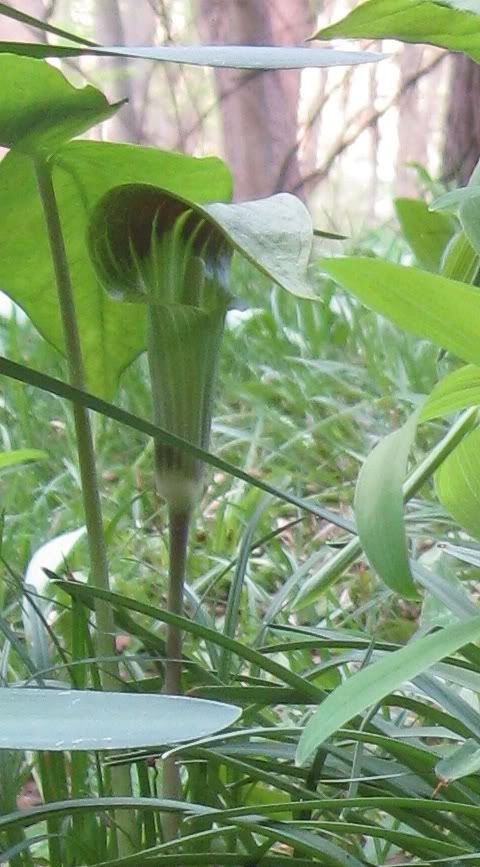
[(455, 391), (451, 26), (42, 719), (461, 261), (426, 233), (9, 12), (460, 763), (18, 457), (457, 483), (428, 305), (112, 333), (435, 611), (451, 200), (470, 209), (231, 56), (375, 682), (379, 509), (40, 109), (465, 555)]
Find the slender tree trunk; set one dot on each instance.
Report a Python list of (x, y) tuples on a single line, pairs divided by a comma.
[(413, 123), (259, 109), (119, 24), (462, 128)]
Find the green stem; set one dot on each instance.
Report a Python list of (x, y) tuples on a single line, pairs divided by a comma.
[(179, 525), (88, 473)]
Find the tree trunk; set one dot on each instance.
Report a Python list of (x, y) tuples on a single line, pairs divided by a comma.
[(413, 123), (127, 79), (462, 138), (258, 109)]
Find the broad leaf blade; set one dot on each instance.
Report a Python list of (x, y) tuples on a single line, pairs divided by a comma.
[(448, 23), (428, 305), (231, 56), (379, 509), (457, 390), (112, 333), (426, 233), (40, 109), (457, 483), (39, 719), (374, 683)]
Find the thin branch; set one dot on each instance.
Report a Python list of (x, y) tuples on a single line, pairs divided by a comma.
[(372, 119)]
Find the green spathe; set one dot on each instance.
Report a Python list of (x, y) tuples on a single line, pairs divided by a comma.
[(150, 247)]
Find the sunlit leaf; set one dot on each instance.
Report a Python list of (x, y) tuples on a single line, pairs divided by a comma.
[(40, 109), (456, 391), (448, 23), (428, 305), (376, 681), (112, 334)]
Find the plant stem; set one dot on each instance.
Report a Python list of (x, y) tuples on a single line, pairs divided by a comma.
[(88, 473), (179, 525), (86, 455)]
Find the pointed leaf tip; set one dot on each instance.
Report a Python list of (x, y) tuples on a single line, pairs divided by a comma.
[(40, 109)]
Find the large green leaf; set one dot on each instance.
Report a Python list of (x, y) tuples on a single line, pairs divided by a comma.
[(457, 483), (375, 682), (428, 305), (40, 109), (379, 509), (427, 233), (112, 333), (232, 56), (457, 390), (448, 23), (51, 719)]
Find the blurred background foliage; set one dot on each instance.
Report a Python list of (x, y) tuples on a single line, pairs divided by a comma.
[(355, 135)]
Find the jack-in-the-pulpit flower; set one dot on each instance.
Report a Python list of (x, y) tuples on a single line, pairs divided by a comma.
[(149, 246)]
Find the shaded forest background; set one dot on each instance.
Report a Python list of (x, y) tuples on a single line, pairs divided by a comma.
[(355, 136)]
